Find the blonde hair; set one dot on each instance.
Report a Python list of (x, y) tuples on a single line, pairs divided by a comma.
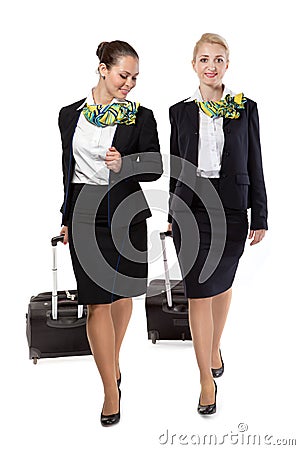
[(211, 38)]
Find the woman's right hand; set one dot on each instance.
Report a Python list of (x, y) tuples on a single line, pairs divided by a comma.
[(64, 231), (169, 227)]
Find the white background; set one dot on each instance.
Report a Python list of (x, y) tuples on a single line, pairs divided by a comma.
[(47, 61)]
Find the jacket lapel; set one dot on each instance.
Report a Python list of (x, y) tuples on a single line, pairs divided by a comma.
[(226, 122), (192, 128), (192, 112), (69, 122), (122, 137)]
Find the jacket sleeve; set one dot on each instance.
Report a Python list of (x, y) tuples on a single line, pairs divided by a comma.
[(146, 163), (175, 163), (65, 220), (258, 196)]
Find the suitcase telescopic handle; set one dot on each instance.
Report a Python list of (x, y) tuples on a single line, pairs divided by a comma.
[(54, 302), (57, 239), (163, 236)]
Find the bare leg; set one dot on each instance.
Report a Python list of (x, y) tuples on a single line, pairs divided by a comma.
[(120, 312), (220, 308), (101, 335), (201, 325)]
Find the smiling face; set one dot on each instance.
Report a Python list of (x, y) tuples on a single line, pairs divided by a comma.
[(210, 64), (121, 77)]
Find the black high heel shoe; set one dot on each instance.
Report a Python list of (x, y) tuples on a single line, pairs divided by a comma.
[(208, 409), (217, 373), (111, 419)]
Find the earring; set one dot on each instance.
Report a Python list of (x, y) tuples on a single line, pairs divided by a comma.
[(103, 76)]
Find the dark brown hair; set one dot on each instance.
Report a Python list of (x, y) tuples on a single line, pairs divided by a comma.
[(109, 52)]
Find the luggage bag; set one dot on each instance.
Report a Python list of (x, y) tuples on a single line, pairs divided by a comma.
[(55, 323), (166, 305)]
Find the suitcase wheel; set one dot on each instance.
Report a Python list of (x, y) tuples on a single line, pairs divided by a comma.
[(35, 360), (154, 336)]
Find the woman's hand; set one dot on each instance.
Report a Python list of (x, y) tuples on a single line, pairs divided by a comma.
[(257, 236), (64, 231), (169, 227), (113, 160)]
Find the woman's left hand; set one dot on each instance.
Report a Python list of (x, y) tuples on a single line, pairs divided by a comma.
[(113, 160), (256, 235)]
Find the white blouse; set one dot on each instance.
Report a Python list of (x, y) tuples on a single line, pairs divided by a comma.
[(211, 140), (90, 144)]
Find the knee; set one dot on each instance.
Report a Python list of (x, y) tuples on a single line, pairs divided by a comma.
[(98, 310), (122, 303)]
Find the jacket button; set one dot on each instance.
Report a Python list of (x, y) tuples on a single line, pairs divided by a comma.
[(223, 175), (227, 153), (228, 130)]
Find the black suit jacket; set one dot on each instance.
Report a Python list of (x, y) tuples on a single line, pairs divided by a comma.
[(241, 177), (141, 161)]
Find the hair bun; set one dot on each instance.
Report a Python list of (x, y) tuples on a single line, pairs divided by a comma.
[(109, 53), (100, 49)]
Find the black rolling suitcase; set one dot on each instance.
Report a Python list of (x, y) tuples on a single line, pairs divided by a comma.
[(167, 306), (55, 323)]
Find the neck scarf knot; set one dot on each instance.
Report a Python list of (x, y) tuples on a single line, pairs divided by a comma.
[(224, 108), (114, 113)]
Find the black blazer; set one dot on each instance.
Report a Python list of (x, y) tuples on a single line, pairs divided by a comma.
[(241, 177), (140, 141)]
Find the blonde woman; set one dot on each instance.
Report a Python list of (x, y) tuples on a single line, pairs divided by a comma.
[(216, 132)]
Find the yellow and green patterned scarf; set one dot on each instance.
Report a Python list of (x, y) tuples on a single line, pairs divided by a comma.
[(224, 108), (105, 115)]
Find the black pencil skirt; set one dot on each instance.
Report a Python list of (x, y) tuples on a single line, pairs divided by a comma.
[(222, 276), (109, 264)]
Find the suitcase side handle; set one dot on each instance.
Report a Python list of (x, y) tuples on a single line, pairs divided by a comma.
[(61, 323)]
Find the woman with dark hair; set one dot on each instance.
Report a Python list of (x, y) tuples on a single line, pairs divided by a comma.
[(216, 174), (109, 145)]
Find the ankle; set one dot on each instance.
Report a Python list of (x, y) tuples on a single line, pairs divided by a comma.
[(215, 348), (206, 379), (111, 389)]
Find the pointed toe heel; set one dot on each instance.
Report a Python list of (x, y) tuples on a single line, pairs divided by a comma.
[(206, 410), (111, 419)]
